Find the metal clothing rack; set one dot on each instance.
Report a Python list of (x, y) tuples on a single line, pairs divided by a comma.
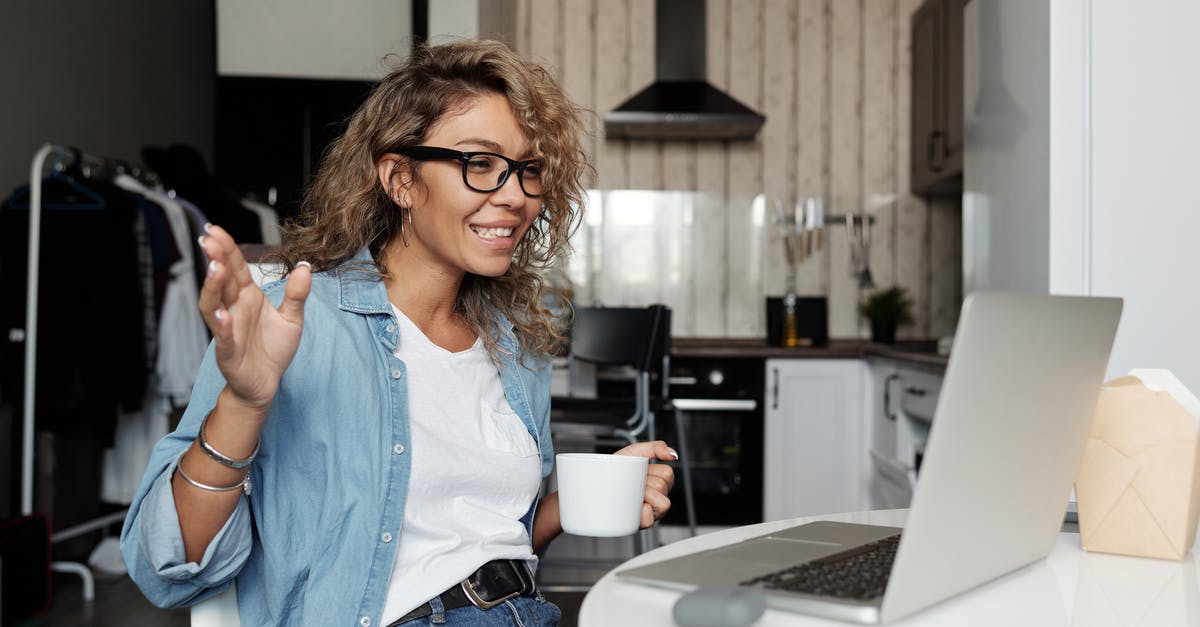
[(62, 156)]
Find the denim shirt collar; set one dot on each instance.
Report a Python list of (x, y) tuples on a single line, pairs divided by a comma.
[(362, 292)]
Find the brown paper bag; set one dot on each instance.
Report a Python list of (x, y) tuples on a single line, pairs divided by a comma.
[(1136, 488)]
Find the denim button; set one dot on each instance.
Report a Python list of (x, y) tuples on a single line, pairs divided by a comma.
[(398, 449), (395, 373), (365, 621), (386, 536), (391, 327)]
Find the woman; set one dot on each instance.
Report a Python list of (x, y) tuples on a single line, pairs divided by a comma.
[(365, 440)]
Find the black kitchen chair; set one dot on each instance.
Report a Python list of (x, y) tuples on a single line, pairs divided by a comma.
[(622, 346), (628, 351)]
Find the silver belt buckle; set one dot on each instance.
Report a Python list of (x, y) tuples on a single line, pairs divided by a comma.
[(469, 589)]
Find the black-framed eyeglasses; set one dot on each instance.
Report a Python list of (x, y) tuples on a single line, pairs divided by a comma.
[(485, 171)]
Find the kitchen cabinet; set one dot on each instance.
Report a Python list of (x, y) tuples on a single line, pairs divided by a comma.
[(900, 408), (815, 440), (936, 144)]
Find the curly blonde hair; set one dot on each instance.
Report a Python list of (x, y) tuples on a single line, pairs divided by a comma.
[(347, 209)]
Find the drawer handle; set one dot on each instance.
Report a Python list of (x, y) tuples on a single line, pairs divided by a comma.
[(775, 389), (887, 396), (913, 391)]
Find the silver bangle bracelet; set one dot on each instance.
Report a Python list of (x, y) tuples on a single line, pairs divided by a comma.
[(220, 457), (243, 485)]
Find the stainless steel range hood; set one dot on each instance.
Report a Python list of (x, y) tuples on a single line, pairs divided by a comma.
[(680, 104)]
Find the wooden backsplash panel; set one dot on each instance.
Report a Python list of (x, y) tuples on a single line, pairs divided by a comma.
[(832, 77)]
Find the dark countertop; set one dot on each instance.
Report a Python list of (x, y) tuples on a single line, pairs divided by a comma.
[(916, 352)]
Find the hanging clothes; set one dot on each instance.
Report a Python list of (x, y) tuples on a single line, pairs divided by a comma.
[(90, 330), (182, 337), (90, 311), (120, 334), (181, 342)]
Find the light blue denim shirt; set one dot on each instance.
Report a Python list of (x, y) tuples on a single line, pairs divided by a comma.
[(308, 546)]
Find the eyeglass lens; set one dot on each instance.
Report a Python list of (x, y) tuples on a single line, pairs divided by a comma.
[(486, 173)]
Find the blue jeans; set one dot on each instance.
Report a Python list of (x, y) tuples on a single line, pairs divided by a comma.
[(515, 612)]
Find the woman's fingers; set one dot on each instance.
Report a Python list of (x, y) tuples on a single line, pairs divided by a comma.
[(661, 473), (217, 255), (211, 292), (660, 478), (657, 449), (659, 483), (213, 311), (239, 269), (655, 506), (219, 246)]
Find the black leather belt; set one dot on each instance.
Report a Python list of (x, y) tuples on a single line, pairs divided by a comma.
[(494, 583)]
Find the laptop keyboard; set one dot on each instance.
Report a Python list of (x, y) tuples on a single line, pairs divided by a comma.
[(859, 573)]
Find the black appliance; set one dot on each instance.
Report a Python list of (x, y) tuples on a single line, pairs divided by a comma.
[(721, 403), (680, 103)]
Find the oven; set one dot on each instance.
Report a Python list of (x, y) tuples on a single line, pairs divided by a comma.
[(720, 403)]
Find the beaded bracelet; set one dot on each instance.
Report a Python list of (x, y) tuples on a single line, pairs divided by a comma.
[(221, 458), (244, 484)]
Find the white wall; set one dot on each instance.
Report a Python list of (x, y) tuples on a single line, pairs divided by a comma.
[(1145, 223), (312, 38), (1101, 200), (452, 19)]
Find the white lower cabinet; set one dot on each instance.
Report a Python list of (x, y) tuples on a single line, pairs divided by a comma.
[(815, 454), (900, 411)]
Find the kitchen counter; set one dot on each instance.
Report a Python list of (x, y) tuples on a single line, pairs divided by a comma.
[(915, 352)]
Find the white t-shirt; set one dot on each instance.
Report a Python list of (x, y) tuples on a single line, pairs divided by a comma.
[(475, 472)]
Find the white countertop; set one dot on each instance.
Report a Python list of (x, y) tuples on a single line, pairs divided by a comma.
[(1070, 587)]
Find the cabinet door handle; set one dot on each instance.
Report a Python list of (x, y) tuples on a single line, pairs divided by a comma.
[(775, 388), (935, 164), (887, 396), (915, 391)]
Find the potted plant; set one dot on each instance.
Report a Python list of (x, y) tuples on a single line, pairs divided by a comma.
[(886, 309)]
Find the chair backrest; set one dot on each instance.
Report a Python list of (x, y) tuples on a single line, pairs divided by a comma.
[(218, 611), (612, 336)]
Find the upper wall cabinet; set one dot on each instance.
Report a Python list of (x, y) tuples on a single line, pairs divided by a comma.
[(937, 97)]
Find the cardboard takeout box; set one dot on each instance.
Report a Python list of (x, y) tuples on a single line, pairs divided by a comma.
[(1136, 488)]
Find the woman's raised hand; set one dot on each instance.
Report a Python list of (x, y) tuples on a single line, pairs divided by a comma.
[(255, 341)]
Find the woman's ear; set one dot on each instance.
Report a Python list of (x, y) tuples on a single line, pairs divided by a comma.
[(395, 174)]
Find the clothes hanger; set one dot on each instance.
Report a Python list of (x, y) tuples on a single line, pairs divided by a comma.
[(60, 190)]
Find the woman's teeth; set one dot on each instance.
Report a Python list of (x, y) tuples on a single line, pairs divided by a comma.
[(493, 232)]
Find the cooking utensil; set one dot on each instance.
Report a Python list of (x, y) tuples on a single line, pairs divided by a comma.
[(865, 281)]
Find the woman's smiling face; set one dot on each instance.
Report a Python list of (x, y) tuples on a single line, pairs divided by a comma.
[(453, 227)]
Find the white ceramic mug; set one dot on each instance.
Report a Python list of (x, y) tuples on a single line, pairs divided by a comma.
[(600, 495)]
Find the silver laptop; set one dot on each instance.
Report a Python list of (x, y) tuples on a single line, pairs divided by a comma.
[(1007, 437)]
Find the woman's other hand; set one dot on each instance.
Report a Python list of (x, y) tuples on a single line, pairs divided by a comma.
[(659, 478), (255, 341)]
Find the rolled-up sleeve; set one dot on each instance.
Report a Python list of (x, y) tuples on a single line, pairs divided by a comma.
[(151, 541)]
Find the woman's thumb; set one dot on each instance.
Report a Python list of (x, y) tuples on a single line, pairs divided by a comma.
[(296, 292)]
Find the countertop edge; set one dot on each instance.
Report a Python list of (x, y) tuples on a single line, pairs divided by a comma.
[(916, 353)]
